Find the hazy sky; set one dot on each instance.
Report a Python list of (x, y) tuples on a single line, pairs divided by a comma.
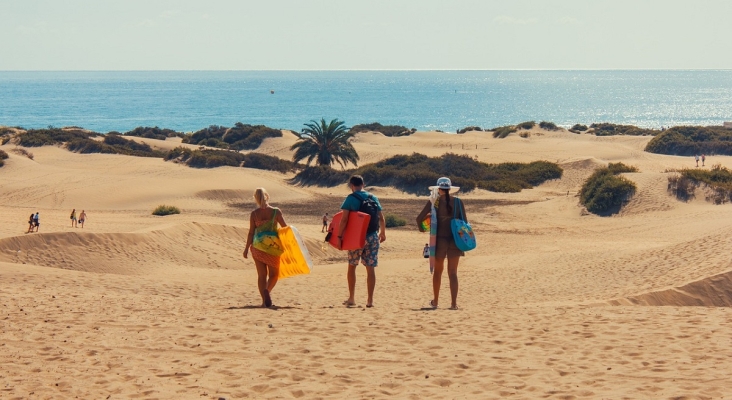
[(365, 34)]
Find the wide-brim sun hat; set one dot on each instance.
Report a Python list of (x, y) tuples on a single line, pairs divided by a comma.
[(445, 183)]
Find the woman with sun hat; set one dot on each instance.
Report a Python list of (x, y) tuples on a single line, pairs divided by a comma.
[(443, 205)]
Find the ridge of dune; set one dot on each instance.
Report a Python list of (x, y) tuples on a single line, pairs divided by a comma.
[(192, 245), (713, 291)]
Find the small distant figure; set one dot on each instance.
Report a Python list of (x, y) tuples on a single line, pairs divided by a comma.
[(30, 223), (82, 218), (325, 223), (696, 157), (74, 223), (426, 251), (704, 158), (36, 221)]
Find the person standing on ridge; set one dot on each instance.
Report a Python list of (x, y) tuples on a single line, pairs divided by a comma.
[(73, 218), (36, 221), (82, 218), (30, 224), (325, 223), (363, 201)]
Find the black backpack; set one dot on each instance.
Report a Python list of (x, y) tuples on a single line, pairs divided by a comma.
[(370, 207)]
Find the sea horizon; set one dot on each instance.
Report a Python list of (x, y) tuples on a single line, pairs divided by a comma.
[(446, 100)]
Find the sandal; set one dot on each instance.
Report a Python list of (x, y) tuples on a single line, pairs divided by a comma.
[(432, 304), (454, 308)]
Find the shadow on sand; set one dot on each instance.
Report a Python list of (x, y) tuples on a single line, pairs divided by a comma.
[(273, 308)]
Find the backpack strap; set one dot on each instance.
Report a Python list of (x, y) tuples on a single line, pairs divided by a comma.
[(458, 204), (359, 197)]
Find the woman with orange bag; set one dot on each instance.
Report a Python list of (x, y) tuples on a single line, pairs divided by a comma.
[(265, 246)]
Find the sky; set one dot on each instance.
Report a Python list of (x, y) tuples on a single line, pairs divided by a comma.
[(364, 34)]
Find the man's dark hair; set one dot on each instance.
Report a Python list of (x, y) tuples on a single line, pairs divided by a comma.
[(356, 180)]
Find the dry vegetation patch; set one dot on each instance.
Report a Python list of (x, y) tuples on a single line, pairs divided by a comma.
[(415, 172), (717, 180)]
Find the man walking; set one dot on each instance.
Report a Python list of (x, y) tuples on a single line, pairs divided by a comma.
[(363, 201)]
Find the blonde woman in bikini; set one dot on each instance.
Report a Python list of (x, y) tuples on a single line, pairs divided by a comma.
[(265, 218)]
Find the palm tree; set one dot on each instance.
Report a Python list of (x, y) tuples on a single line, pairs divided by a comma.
[(325, 143)]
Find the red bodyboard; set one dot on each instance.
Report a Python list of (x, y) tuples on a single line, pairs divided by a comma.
[(354, 236)]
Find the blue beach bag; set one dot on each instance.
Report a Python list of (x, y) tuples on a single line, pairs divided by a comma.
[(462, 232)]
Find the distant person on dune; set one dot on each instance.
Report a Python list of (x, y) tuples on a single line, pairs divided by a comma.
[(262, 224), (325, 223), (696, 157), (36, 221), (82, 218), (704, 158), (73, 218), (445, 246), (30, 223)]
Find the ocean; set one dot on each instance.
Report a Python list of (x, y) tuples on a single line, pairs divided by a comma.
[(426, 100)]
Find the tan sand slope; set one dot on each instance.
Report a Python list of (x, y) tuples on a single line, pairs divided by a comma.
[(713, 291), (192, 245), (138, 306)]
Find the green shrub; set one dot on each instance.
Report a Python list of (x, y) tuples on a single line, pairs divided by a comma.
[(51, 136), (526, 125), (386, 130), (470, 129), (691, 140), (549, 126), (3, 156), (416, 172), (201, 136), (607, 129), (321, 175), (524, 135), (113, 144), (267, 162), (604, 192), (503, 131), (166, 210), (153, 133), (393, 221), (209, 158), (578, 128), (239, 137), (620, 168)]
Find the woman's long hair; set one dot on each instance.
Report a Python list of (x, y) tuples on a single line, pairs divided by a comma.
[(447, 197), (261, 197)]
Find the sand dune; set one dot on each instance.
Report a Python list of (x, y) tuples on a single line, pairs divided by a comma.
[(555, 303)]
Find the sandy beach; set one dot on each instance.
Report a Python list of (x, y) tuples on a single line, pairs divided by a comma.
[(554, 303)]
